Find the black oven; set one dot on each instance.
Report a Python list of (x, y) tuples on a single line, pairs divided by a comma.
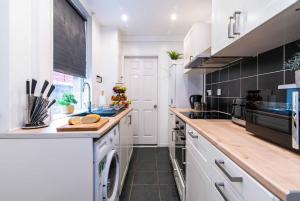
[(180, 145), (273, 115)]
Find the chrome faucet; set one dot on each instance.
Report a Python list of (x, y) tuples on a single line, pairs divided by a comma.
[(90, 102)]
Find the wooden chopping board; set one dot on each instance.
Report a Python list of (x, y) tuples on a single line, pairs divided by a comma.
[(83, 127)]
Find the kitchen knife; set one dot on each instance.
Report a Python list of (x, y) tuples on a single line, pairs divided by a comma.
[(42, 117), (32, 97), (44, 102), (28, 101), (39, 99)]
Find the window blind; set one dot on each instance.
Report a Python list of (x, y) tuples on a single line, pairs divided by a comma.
[(69, 48)]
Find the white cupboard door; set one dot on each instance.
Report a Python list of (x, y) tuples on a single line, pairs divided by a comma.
[(141, 81), (198, 184), (260, 11), (130, 135), (123, 148)]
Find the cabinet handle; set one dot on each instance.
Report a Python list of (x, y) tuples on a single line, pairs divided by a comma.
[(191, 133), (229, 27), (236, 24), (129, 119), (218, 186), (220, 164), (173, 135), (183, 155)]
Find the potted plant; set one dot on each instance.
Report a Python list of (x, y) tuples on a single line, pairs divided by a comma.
[(67, 102), (294, 64), (174, 56)]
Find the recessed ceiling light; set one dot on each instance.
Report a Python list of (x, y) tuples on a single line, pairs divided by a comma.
[(174, 17), (124, 18)]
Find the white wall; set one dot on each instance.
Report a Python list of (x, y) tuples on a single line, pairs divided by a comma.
[(156, 48), (4, 65)]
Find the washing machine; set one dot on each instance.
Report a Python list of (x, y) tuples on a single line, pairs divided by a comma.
[(107, 167)]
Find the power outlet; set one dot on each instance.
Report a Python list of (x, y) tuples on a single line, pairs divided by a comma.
[(218, 92)]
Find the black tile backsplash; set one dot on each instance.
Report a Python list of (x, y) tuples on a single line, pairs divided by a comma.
[(266, 71), (270, 81), (249, 67), (234, 71), (270, 61)]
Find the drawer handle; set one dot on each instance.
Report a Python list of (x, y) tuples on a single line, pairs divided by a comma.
[(191, 133), (220, 164), (218, 187)]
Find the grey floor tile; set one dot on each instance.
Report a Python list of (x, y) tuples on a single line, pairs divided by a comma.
[(149, 166), (125, 193), (145, 193), (168, 193), (145, 178), (166, 178), (164, 166)]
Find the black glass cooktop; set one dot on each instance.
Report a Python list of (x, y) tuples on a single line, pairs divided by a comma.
[(206, 115)]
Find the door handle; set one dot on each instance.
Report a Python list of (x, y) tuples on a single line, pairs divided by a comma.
[(229, 27), (220, 164), (155, 106), (236, 24), (218, 186)]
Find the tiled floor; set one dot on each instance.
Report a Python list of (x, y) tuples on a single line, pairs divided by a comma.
[(149, 177)]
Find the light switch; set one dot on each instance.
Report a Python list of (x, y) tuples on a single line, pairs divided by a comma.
[(218, 92), (209, 92)]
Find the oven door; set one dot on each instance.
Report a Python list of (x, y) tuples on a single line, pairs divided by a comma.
[(180, 151)]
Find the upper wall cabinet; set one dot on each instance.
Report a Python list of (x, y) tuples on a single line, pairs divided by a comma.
[(197, 40), (232, 20)]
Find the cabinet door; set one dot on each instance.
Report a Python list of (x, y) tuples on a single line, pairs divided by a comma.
[(171, 135), (198, 184), (187, 46), (123, 148), (130, 136), (260, 11)]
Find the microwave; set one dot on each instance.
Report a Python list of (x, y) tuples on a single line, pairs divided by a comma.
[(273, 115)]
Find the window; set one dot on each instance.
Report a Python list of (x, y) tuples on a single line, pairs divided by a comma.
[(67, 84), (69, 53)]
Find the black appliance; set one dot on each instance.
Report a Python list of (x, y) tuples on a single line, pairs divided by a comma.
[(207, 115), (273, 115), (195, 99), (238, 112), (180, 145)]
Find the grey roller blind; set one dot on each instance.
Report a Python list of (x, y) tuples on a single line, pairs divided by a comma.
[(69, 39)]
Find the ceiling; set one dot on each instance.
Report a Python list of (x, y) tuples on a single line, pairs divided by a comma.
[(151, 17)]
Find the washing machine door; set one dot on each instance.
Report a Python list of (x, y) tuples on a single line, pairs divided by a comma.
[(111, 177)]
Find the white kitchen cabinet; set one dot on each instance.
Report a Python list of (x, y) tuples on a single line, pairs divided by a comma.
[(198, 183), (206, 155), (197, 40), (171, 135), (245, 17), (126, 145)]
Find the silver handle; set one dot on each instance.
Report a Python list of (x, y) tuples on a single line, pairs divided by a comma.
[(155, 106), (130, 121), (191, 133), (220, 164), (236, 24), (229, 27), (218, 186), (183, 156), (295, 120)]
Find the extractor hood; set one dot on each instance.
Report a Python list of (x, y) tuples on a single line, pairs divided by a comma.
[(212, 62)]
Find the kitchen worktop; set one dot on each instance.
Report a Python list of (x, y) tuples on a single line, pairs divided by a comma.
[(51, 132), (277, 169)]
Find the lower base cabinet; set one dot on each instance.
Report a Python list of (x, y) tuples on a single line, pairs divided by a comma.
[(126, 145), (212, 176), (198, 183)]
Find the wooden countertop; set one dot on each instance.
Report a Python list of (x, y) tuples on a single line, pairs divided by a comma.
[(50, 132), (276, 168)]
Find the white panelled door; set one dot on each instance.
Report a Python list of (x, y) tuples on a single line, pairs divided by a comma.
[(141, 81)]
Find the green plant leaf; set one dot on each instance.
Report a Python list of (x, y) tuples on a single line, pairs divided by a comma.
[(174, 55)]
